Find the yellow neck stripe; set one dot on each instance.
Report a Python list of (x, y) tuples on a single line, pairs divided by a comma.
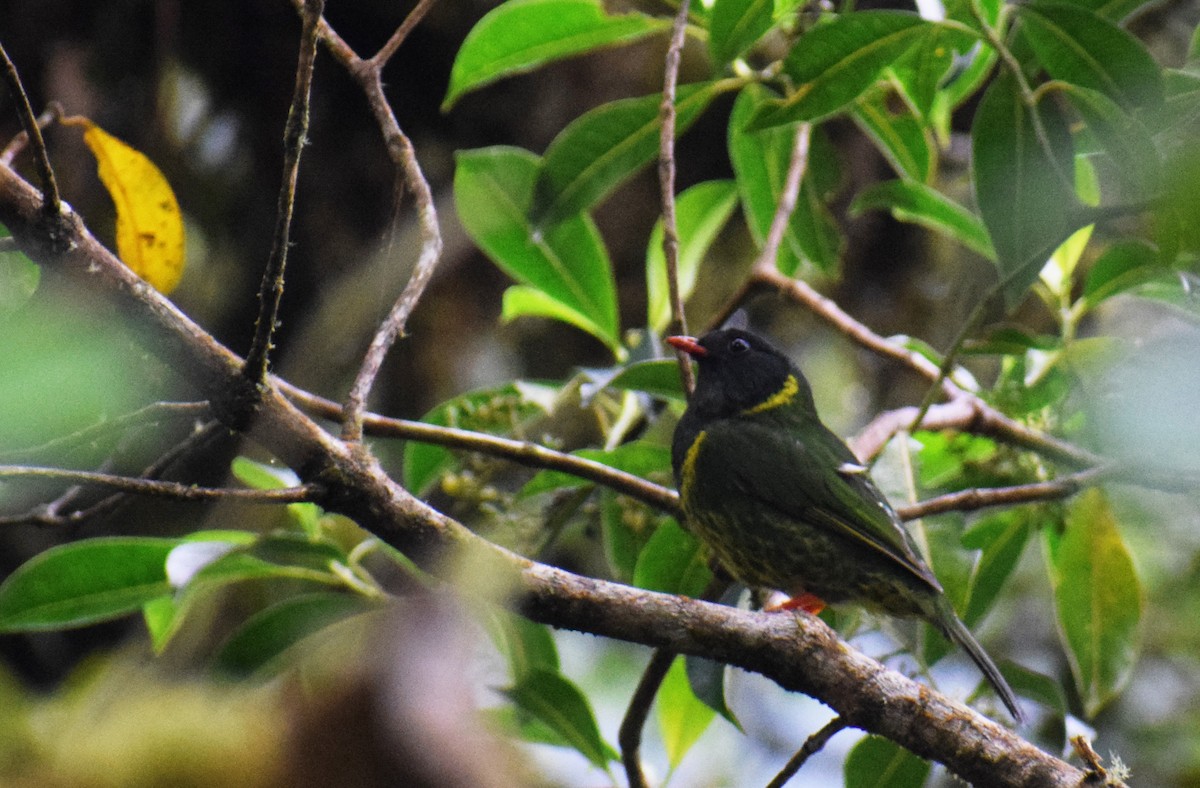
[(689, 465), (791, 387)]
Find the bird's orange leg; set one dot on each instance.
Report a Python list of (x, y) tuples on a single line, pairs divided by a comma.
[(809, 603)]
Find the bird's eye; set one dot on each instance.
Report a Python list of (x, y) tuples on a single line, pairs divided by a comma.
[(739, 345)]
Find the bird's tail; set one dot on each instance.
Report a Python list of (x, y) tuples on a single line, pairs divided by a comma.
[(956, 630)]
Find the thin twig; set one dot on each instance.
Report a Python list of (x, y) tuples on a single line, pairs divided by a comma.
[(368, 74), (52, 113), (51, 202), (50, 514), (270, 294), (797, 166), (666, 180), (524, 452), (158, 488), (983, 497), (411, 21), (629, 738), (667, 500), (812, 745), (987, 419), (149, 414)]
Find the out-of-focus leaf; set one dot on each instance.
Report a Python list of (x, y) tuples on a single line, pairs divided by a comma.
[(600, 150), (149, 222), (161, 617), (527, 645), (1118, 135), (560, 705), (904, 141), (498, 411), (700, 213), (734, 26), (682, 717), (672, 562), (522, 35), (19, 277), (493, 190), (760, 162), (262, 476), (270, 632), (1081, 47), (920, 72), (876, 762), (1123, 265), (909, 201), (1025, 191), (1002, 538), (84, 582), (1178, 289), (1097, 597), (835, 62)]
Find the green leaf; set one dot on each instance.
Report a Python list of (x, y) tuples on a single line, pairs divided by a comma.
[(706, 678), (1097, 597), (498, 411), (1025, 192), (262, 476), (160, 615), (1178, 289), (271, 631), (640, 458), (84, 582), (760, 162), (876, 762), (1113, 10), (522, 35), (700, 213), (525, 301), (1123, 265), (904, 141), (528, 646), (835, 62), (493, 190), (672, 562), (280, 555), (19, 277), (909, 201), (919, 73), (1122, 138), (560, 705), (1002, 538), (734, 26), (682, 717), (600, 150), (1078, 46), (659, 378)]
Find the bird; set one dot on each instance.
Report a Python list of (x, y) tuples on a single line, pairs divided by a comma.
[(783, 504)]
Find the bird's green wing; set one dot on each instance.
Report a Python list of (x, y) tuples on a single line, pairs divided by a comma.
[(804, 471)]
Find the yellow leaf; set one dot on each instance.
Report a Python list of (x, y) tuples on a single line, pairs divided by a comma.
[(149, 222)]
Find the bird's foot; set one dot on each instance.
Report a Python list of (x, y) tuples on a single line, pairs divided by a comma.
[(809, 603)]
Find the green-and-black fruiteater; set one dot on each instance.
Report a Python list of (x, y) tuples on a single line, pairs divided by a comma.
[(783, 503)]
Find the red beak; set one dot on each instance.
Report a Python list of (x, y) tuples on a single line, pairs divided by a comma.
[(688, 345)]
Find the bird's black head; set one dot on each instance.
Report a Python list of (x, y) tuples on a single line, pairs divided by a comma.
[(739, 371)]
